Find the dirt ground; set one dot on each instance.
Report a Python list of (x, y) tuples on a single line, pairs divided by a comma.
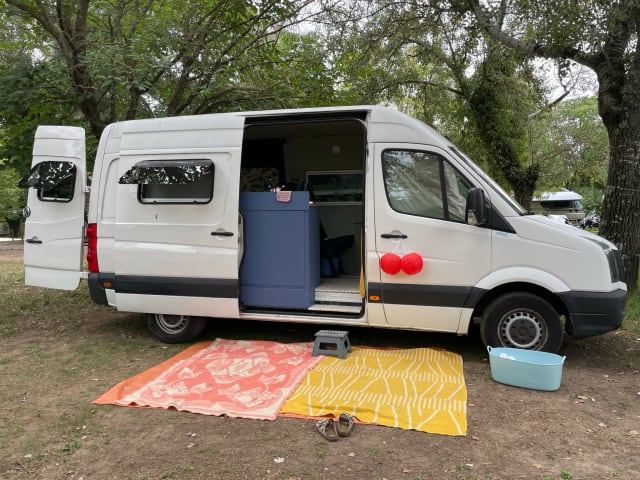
[(588, 429)]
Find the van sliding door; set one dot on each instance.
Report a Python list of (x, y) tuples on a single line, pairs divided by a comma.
[(176, 230)]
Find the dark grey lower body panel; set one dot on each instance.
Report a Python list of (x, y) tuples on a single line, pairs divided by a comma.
[(170, 286), (594, 313)]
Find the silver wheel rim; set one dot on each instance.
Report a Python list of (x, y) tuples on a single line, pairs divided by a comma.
[(172, 324), (522, 329)]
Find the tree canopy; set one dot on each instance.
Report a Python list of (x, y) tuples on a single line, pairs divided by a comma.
[(570, 144), (126, 60), (439, 67)]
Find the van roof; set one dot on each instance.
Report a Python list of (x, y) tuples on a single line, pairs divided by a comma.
[(385, 124), (563, 194)]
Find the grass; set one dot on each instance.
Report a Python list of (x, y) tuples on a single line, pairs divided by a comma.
[(632, 313), (56, 357)]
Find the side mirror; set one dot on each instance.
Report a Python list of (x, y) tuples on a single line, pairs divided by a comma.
[(476, 208)]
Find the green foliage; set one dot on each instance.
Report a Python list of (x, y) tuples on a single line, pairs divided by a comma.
[(632, 313), (304, 78), (591, 196), (570, 143), (127, 60), (436, 66), (501, 98), (12, 199), (32, 95)]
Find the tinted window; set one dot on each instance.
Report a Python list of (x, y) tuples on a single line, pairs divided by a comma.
[(55, 181), (424, 184), (175, 181)]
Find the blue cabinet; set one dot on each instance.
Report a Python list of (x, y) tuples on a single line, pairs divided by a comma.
[(281, 263)]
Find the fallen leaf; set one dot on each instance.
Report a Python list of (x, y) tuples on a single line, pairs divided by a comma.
[(537, 465), (474, 437), (633, 432), (602, 424)]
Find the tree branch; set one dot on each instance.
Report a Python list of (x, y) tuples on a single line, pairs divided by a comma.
[(556, 52)]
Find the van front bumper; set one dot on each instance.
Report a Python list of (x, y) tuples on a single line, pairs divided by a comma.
[(594, 313)]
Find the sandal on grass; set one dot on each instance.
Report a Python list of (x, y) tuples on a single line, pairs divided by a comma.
[(345, 424), (327, 428)]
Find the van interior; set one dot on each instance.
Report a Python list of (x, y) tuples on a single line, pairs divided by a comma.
[(302, 251)]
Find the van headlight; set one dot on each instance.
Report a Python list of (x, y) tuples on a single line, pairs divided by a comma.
[(614, 259), (616, 267)]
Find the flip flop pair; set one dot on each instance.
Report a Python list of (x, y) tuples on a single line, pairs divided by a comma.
[(331, 430)]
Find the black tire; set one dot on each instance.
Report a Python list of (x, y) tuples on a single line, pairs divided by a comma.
[(522, 320), (175, 328)]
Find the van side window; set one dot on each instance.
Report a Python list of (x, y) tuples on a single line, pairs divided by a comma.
[(55, 181), (172, 181), (424, 184)]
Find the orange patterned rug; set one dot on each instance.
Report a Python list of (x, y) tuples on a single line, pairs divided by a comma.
[(238, 378)]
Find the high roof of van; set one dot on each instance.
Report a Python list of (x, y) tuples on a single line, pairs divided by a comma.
[(384, 124)]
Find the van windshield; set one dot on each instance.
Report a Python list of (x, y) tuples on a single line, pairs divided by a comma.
[(489, 181)]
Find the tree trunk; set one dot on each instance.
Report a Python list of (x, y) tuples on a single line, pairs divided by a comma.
[(620, 111)]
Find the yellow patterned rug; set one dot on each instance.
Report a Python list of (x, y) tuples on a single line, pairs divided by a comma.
[(420, 388)]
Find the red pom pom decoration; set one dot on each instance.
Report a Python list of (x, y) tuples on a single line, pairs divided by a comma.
[(412, 263), (390, 263)]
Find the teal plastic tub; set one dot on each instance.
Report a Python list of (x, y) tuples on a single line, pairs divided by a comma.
[(526, 368)]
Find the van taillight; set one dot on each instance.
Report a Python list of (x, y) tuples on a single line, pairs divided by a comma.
[(92, 247)]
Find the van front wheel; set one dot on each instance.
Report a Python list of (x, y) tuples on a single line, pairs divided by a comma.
[(521, 320), (175, 328)]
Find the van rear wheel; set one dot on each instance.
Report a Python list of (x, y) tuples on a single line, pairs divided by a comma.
[(175, 328), (521, 320)]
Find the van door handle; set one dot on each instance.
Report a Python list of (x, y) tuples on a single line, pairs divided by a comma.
[(222, 234), (394, 235), (33, 240)]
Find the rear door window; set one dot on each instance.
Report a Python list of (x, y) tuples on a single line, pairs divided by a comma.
[(54, 181), (172, 181)]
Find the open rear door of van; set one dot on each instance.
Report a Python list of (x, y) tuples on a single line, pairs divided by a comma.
[(55, 212)]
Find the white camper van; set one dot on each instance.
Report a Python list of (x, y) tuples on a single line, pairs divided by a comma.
[(564, 202), (349, 216)]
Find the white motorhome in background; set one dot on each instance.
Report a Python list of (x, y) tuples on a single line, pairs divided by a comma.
[(564, 202), (184, 225)]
